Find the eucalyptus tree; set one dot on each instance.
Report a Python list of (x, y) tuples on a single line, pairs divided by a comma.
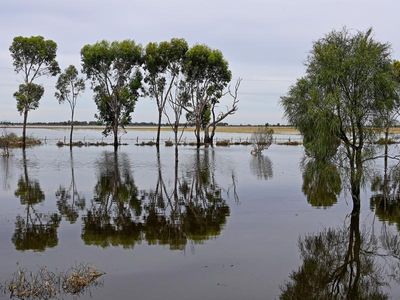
[(348, 81), (163, 65), (34, 57), (114, 69), (206, 74), (69, 86)]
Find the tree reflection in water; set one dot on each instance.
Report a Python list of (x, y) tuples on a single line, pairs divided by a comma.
[(35, 231), (110, 219), (321, 182), (385, 200), (345, 262), (69, 200), (189, 207), (337, 264), (261, 166)]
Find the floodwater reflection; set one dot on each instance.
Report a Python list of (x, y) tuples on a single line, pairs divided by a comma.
[(69, 201), (261, 166), (34, 231), (346, 262), (190, 207), (110, 218), (321, 182), (385, 200), (338, 263)]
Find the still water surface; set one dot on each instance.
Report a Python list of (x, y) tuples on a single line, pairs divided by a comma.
[(217, 224)]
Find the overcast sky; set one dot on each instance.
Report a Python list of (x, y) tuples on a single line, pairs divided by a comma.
[(265, 42)]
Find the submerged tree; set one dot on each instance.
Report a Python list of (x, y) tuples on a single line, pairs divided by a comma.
[(207, 74), (349, 79), (261, 139), (163, 64), (69, 86), (33, 57), (217, 117), (114, 69)]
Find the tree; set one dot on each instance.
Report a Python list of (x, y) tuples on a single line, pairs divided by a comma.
[(163, 65), (217, 118), (69, 86), (33, 57), (349, 79), (116, 79), (206, 76), (261, 139)]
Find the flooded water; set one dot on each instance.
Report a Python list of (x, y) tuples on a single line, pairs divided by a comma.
[(216, 224)]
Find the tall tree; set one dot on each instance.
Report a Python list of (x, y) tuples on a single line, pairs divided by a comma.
[(69, 86), (114, 69), (163, 65), (33, 57), (207, 74), (349, 79)]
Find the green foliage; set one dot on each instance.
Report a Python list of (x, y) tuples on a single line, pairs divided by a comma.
[(207, 72), (28, 96), (69, 85), (34, 56), (163, 59), (348, 81), (116, 79)]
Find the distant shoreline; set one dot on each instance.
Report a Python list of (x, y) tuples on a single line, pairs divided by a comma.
[(227, 129)]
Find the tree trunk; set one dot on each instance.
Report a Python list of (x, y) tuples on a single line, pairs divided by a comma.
[(159, 128), (356, 175), (24, 129), (207, 139), (176, 135), (72, 129), (197, 133), (115, 131), (212, 134), (385, 176)]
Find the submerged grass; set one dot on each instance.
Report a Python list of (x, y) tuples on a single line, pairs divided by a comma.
[(87, 144), (11, 140), (383, 141), (45, 284)]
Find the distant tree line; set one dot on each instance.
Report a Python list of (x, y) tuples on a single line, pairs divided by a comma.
[(186, 83)]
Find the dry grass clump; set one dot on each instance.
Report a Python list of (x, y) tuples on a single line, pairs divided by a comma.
[(45, 284), (79, 278)]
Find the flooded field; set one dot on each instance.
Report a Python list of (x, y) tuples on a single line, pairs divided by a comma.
[(213, 223)]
